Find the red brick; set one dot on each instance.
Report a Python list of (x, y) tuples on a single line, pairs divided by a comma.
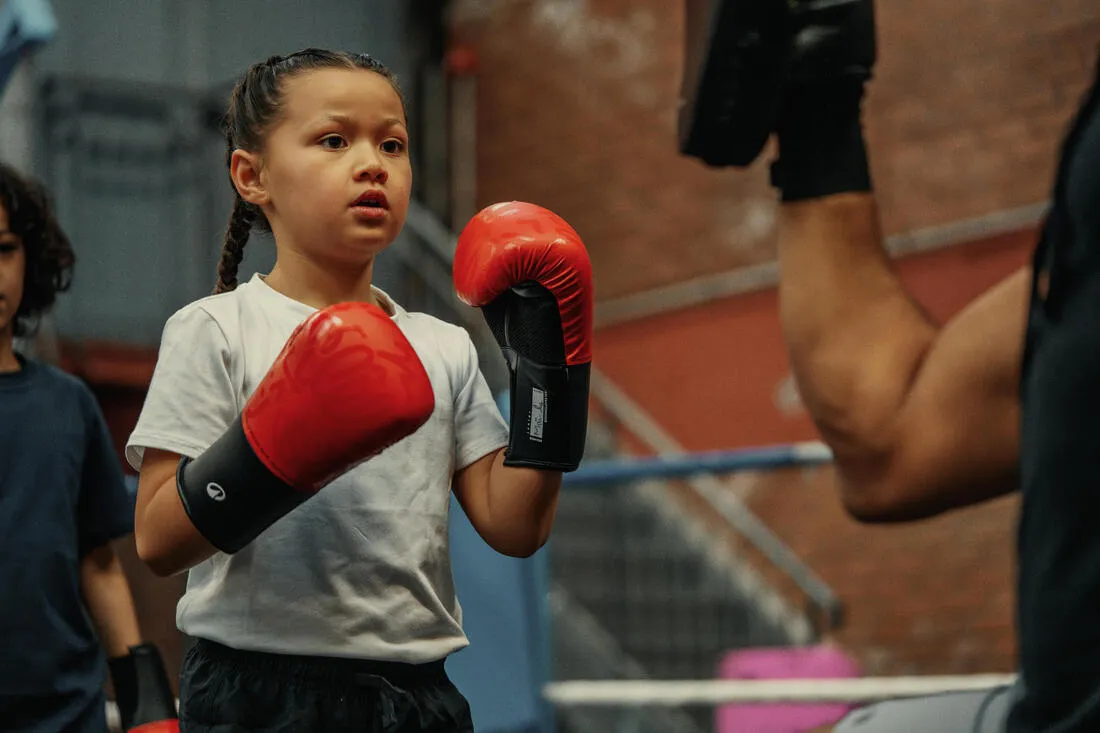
[(577, 100)]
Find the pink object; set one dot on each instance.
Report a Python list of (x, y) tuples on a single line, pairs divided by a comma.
[(779, 663)]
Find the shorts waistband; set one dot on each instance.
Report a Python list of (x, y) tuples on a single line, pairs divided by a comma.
[(327, 670)]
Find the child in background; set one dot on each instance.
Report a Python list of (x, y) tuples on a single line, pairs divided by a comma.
[(62, 502)]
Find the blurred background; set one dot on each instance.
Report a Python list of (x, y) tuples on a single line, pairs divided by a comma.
[(572, 104)]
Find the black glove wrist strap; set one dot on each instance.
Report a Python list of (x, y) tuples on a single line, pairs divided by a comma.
[(142, 691), (230, 495), (549, 414)]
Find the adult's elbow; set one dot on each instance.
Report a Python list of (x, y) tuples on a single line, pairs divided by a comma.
[(868, 508), (878, 497), (869, 487)]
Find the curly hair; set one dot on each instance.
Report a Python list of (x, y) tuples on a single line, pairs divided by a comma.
[(254, 106), (49, 255)]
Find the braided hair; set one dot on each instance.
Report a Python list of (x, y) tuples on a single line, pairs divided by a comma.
[(254, 106)]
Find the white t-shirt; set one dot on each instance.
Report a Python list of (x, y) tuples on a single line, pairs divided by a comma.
[(362, 569)]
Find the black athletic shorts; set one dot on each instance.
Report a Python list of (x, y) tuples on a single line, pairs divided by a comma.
[(224, 690)]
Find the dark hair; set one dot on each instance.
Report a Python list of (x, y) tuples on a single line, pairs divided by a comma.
[(254, 106), (49, 256)]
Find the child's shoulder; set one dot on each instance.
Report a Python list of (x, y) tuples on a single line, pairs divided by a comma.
[(60, 377), (211, 313), (57, 381), (216, 306)]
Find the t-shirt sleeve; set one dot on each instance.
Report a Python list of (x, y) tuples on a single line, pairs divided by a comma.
[(105, 511), (479, 427), (191, 398)]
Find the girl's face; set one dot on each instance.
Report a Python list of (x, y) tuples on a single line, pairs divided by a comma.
[(334, 177)]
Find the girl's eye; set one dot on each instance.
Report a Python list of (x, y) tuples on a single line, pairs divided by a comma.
[(393, 146), (333, 142)]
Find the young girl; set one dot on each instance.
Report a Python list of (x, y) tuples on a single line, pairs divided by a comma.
[(302, 431)]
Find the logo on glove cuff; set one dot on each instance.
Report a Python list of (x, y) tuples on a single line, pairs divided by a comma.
[(215, 491), (536, 419)]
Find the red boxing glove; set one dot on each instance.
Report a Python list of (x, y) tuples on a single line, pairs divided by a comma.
[(529, 272), (346, 386)]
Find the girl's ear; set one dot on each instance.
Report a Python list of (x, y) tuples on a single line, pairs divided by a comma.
[(245, 172)]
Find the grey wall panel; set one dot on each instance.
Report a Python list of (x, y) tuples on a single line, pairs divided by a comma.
[(137, 172)]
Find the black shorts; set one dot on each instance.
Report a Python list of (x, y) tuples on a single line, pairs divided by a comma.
[(223, 690)]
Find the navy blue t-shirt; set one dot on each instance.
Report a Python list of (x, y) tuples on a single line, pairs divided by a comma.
[(61, 496)]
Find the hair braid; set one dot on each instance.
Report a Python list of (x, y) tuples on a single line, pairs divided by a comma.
[(236, 237)]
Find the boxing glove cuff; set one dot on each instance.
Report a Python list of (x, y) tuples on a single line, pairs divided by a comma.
[(549, 414), (142, 691), (230, 494)]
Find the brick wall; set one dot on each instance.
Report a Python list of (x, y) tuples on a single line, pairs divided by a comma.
[(576, 103), (929, 597)]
